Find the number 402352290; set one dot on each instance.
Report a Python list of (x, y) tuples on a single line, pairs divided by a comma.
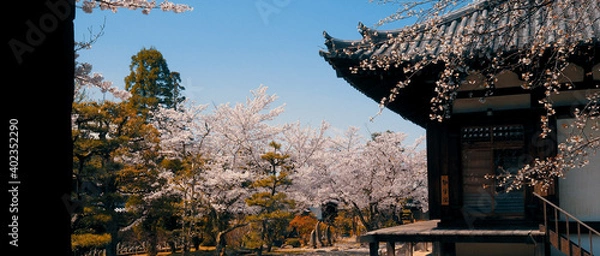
[(13, 148)]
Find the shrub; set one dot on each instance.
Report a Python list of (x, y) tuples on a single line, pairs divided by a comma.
[(345, 224), (208, 241), (304, 224), (87, 241), (295, 242)]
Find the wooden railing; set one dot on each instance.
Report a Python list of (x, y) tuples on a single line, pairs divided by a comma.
[(559, 234), (128, 250)]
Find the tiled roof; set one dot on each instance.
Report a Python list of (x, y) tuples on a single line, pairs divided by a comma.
[(425, 37)]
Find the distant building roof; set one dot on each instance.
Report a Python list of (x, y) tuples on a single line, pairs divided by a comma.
[(428, 38)]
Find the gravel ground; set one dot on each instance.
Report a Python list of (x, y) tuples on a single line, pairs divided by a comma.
[(347, 246)]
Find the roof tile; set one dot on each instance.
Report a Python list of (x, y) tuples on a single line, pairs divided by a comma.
[(422, 38)]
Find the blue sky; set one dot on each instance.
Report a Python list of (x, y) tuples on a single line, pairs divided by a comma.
[(225, 48)]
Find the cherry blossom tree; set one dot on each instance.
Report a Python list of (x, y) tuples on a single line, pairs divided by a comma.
[(182, 135), (376, 178), (244, 129), (318, 181), (146, 6), (367, 177), (85, 78), (242, 133), (203, 164), (306, 147), (219, 155)]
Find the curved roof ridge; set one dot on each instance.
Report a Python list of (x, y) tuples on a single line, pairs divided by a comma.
[(334, 43)]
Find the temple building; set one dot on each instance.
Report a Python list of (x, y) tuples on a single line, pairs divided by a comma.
[(486, 129)]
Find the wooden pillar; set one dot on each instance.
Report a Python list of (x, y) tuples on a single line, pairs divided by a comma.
[(448, 249), (390, 248), (539, 249), (542, 248), (436, 248), (374, 249)]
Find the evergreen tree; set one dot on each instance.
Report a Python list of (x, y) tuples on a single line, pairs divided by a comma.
[(151, 83), (273, 217), (102, 133)]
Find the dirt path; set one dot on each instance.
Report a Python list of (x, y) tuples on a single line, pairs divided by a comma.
[(347, 246)]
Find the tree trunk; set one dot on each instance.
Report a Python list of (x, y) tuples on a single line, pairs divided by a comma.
[(152, 241), (265, 236), (318, 234), (328, 235), (111, 248), (221, 243), (173, 247), (362, 218), (196, 242)]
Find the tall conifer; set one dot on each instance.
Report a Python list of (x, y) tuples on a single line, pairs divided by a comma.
[(151, 83)]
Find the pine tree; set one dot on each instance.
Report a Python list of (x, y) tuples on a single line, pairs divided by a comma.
[(273, 217), (102, 133)]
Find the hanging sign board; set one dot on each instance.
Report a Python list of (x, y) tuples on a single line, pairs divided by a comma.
[(445, 190)]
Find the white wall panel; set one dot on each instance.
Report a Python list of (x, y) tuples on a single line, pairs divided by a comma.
[(579, 191)]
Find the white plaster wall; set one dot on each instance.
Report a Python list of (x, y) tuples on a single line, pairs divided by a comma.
[(585, 244), (579, 191)]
